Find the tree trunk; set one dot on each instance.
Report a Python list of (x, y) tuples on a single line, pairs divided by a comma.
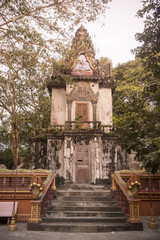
[(15, 144)]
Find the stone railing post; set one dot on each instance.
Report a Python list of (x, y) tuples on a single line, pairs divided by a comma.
[(54, 183), (113, 188)]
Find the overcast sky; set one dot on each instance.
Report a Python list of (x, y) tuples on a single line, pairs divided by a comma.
[(117, 37)]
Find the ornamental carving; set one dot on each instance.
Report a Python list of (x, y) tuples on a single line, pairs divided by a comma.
[(35, 212), (133, 186), (36, 186), (134, 212), (84, 93), (82, 45)]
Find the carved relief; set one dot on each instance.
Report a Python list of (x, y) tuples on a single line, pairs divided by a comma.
[(35, 212), (134, 212), (84, 93), (82, 67)]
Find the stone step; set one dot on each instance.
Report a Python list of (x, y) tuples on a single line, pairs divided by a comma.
[(83, 193), (84, 227), (85, 219), (83, 187), (84, 214), (84, 208), (83, 203), (81, 208), (86, 198)]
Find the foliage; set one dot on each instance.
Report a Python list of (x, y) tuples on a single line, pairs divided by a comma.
[(24, 101), (137, 113), (6, 158), (78, 117), (61, 72), (105, 67), (137, 97), (45, 23), (149, 51)]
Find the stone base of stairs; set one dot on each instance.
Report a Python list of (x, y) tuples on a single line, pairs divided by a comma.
[(83, 208), (84, 227)]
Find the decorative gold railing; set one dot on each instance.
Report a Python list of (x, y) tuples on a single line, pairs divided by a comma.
[(128, 204), (20, 178), (15, 185), (38, 207), (137, 193)]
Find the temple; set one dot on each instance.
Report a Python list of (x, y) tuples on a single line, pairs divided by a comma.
[(79, 148), (79, 145)]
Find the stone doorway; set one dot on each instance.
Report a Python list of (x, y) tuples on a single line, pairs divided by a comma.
[(82, 164)]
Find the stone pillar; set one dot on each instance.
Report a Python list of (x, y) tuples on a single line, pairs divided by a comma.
[(69, 104), (94, 105)]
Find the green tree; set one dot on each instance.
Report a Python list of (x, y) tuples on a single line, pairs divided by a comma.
[(6, 157), (137, 114), (24, 100), (137, 97), (149, 51)]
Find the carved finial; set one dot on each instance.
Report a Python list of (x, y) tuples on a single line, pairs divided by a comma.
[(81, 31), (81, 27)]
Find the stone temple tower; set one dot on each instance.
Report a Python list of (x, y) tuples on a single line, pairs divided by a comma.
[(79, 145)]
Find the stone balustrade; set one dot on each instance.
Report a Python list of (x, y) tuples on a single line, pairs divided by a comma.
[(139, 206), (74, 126), (9, 180)]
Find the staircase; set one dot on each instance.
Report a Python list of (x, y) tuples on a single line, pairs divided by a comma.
[(81, 208)]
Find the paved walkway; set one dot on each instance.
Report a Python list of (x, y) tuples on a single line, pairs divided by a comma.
[(23, 234)]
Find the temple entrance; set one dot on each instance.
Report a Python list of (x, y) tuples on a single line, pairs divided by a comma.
[(82, 164)]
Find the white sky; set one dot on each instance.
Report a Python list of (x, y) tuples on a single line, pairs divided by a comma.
[(116, 39)]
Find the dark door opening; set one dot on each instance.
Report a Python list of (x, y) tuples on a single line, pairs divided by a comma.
[(82, 164)]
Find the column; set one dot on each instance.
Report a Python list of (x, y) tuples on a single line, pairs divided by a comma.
[(69, 104), (94, 106)]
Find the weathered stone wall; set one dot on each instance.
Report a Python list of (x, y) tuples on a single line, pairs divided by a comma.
[(58, 106), (39, 153), (104, 106), (59, 154), (81, 92), (114, 157), (55, 147)]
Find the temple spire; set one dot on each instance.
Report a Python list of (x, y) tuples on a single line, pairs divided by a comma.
[(82, 45)]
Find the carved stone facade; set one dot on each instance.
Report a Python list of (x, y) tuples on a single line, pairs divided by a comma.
[(82, 92), (79, 145)]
